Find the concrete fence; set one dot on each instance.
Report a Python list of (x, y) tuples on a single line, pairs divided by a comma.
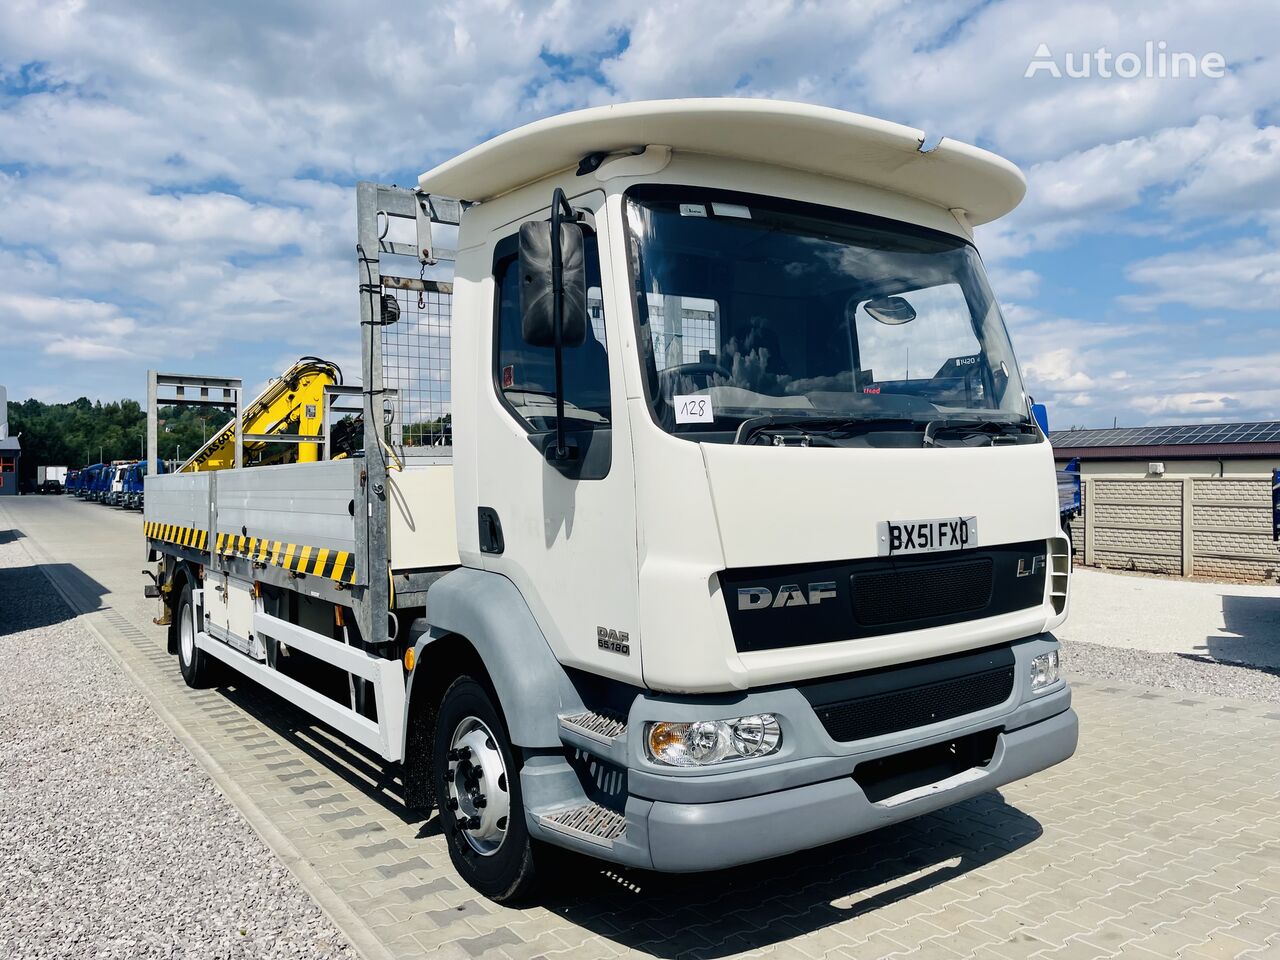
[(1196, 526)]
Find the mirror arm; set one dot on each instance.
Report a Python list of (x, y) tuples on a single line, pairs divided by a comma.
[(560, 209)]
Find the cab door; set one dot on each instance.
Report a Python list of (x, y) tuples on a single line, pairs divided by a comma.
[(565, 537)]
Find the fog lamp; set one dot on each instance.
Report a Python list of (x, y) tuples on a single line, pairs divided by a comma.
[(708, 742), (1044, 670)]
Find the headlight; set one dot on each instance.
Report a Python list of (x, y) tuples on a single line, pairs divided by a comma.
[(712, 741), (1044, 670)]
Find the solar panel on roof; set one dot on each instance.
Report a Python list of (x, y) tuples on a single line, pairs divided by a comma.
[(1261, 432)]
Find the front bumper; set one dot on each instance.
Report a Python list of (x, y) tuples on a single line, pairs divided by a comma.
[(686, 820), (709, 836)]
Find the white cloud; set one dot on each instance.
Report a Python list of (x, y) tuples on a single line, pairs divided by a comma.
[(183, 185), (1244, 276), (1013, 284), (80, 348), (1212, 168), (1149, 371)]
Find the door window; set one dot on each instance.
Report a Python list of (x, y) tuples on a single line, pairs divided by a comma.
[(526, 375)]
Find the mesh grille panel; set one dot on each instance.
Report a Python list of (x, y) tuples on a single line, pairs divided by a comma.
[(415, 363), (884, 713), (895, 596)]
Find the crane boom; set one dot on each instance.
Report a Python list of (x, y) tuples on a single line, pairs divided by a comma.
[(290, 406)]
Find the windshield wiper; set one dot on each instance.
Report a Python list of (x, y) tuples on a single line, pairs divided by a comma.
[(817, 423), (969, 424)]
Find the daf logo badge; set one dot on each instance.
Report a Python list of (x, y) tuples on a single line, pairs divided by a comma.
[(613, 641), (789, 595)]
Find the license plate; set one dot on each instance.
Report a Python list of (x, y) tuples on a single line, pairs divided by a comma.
[(897, 537)]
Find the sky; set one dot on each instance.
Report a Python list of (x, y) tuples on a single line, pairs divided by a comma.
[(176, 179)]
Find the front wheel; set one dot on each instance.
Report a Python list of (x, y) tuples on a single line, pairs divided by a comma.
[(478, 785)]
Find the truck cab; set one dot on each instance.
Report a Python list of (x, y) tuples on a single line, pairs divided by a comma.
[(745, 540), (101, 483), (132, 490), (811, 525), (114, 490)]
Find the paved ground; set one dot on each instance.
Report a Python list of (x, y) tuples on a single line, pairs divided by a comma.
[(114, 842), (1221, 621), (1160, 838)]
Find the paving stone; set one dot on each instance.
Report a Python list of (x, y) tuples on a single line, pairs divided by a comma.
[(1160, 838), (404, 866), (359, 830), (421, 890)]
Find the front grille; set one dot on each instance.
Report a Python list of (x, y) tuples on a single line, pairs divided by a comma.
[(920, 593), (808, 603), (878, 714)]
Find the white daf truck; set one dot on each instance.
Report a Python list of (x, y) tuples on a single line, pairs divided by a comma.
[(699, 516)]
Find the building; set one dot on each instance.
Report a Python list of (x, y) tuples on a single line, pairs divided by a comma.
[(10, 453), (1199, 450), (1192, 500)]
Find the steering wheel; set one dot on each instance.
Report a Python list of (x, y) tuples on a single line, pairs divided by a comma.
[(702, 368)]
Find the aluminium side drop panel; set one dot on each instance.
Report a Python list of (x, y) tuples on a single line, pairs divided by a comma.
[(307, 504), (177, 498)]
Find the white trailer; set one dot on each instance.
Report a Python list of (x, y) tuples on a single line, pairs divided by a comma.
[(700, 516)]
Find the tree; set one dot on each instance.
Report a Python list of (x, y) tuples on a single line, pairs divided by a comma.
[(83, 432)]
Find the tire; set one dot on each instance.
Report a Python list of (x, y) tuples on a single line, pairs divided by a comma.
[(192, 661), (472, 751)]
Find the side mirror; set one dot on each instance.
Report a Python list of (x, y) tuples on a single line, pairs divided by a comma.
[(538, 284)]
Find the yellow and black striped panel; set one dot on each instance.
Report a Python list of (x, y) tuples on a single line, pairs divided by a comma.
[(338, 565), (177, 534)]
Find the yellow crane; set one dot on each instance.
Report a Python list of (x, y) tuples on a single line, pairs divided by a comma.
[(292, 405)]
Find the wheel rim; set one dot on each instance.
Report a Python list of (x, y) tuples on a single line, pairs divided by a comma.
[(186, 634), (478, 790)]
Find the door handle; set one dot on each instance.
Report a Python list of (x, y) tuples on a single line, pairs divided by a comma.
[(490, 531)]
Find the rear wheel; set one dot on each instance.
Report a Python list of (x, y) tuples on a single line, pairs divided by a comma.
[(478, 784), (193, 661)]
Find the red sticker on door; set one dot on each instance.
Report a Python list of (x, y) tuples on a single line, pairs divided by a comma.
[(508, 376)]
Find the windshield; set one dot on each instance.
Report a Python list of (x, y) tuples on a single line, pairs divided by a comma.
[(753, 307)]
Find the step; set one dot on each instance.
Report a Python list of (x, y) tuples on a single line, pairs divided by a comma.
[(596, 726), (590, 822)]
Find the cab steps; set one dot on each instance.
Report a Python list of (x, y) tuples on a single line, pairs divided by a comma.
[(596, 726), (590, 822)]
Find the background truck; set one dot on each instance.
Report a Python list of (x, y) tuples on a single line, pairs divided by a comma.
[(51, 479), (689, 511), (132, 487), (101, 482), (85, 479), (113, 494), (1069, 503)]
